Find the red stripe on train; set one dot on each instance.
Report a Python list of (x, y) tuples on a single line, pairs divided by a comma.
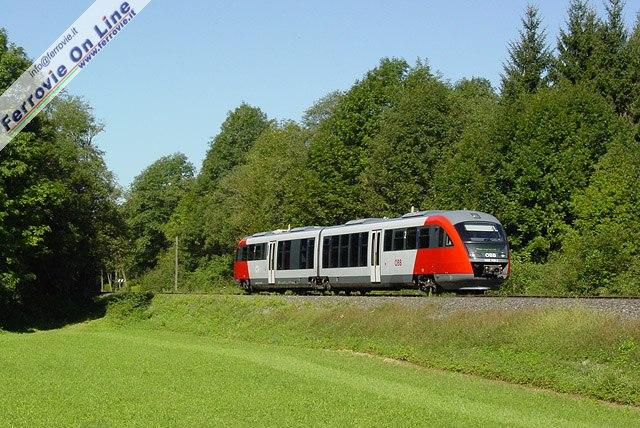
[(241, 267), (448, 260)]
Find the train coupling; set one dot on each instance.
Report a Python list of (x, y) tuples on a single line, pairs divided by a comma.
[(492, 270)]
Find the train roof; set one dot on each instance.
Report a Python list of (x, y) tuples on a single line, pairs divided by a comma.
[(453, 216)]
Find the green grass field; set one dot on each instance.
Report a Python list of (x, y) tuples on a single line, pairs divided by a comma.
[(259, 360), (96, 377)]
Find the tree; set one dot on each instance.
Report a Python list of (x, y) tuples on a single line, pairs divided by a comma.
[(607, 243), (262, 194), (57, 200), (414, 135), (611, 58), (577, 44), (632, 73), (152, 199), (228, 149), (238, 133), (550, 146), (338, 146), (321, 110), (57, 205), (463, 179), (529, 58)]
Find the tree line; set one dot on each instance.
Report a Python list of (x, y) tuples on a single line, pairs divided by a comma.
[(554, 154), (59, 219)]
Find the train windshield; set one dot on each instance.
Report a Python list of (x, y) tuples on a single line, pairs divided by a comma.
[(483, 240), (481, 232)]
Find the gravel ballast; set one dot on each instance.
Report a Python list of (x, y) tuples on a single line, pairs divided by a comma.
[(627, 308)]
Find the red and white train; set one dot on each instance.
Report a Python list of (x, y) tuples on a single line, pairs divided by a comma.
[(429, 250)]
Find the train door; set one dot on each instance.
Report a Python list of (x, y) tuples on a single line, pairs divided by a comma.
[(271, 276), (375, 255)]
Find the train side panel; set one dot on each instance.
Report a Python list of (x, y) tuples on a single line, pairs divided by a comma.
[(344, 256)]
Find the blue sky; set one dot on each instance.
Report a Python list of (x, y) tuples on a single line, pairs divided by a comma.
[(166, 83)]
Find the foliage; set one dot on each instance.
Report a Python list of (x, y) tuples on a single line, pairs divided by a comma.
[(58, 214), (237, 134), (58, 209), (529, 58), (227, 150), (608, 247), (414, 135), (575, 62), (462, 175), (542, 155), (338, 150), (268, 185), (550, 143), (152, 199)]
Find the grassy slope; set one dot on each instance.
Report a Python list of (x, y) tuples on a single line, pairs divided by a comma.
[(98, 374), (567, 350)]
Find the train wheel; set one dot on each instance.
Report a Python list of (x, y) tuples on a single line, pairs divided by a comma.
[(430, 287), (327, 288), (247, 288)]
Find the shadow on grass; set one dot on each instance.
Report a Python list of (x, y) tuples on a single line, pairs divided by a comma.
[(57, 313)]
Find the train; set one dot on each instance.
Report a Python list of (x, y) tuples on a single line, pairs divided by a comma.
[(433, 251)]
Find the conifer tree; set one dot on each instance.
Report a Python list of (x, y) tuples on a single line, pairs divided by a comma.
[(529, 58), (576, 45), (611, 58), (632, 73)]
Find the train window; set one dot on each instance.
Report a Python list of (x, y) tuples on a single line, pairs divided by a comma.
[(411, 239), (353, 249), (294, 258), (305, 258), (398, 239), (434, 236), (279, 255), (286, 262), (311, 247), (344, 250), (388, 240), (443, 239), (481, 232), (326, 250), (423, 237), (335, 251), (302, 255), (260, 251), (364, 241), (284, 255), (242, 253)]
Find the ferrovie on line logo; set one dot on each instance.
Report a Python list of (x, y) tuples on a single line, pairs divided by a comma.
[(57, 66)]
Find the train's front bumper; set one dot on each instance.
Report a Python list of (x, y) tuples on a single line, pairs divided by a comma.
[(487, 275)]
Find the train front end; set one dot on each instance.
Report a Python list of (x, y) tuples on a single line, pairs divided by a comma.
[(481, 248), (488, 252)]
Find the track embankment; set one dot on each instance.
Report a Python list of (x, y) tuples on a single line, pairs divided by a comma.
[(589, 347), (445, 305)]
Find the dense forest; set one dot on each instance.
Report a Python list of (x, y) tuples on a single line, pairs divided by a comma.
[(554, 153)]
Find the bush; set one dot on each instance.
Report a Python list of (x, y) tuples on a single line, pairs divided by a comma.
[(130, 305), (212, 276)]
